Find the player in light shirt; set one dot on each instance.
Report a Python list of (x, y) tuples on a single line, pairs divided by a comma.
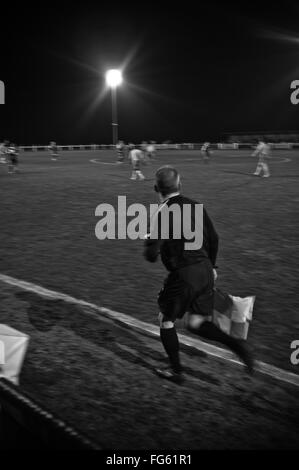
[(150, 150), (263, 152), (136, 156)]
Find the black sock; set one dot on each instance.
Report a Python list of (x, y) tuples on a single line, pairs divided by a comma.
[(210, 331), (170, 342)]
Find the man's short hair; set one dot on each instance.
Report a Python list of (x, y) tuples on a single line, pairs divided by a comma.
[(167, 180)]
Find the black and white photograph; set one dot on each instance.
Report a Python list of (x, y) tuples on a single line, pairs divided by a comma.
[(149, 170)]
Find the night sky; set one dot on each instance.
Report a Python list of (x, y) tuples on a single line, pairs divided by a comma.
[(192, 71)]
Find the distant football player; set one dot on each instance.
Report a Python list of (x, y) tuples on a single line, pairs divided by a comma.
[(54, 150), (143, 146), (12, 156), (121, 151), (151, 150), (205, 152), (136, 157), (263, 152), (3, 151), (189, 286)]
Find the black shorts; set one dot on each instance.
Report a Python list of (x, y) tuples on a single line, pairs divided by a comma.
[(14, 160), (188, 289), (136, 165)]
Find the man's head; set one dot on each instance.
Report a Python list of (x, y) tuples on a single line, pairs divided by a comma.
[(167, 180)]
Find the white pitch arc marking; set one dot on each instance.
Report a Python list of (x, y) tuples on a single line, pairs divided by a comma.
[(262, 367), (94, 160), (271, 160)]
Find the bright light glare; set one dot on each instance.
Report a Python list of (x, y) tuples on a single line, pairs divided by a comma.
[(113, 78)]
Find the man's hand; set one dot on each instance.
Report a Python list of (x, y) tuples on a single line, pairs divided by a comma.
[(215, 275), (151, 249)]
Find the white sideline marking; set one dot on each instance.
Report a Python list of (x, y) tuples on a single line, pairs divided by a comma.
[(262, 367)]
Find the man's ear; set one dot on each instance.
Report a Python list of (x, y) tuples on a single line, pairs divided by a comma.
[(156, 188)]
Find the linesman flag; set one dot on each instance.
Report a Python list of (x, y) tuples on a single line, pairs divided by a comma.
[(233, 314)]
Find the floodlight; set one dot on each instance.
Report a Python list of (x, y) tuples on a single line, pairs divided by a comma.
[(113, 78)]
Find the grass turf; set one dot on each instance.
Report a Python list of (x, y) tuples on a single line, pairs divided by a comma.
[(48, 220), (100, 376)]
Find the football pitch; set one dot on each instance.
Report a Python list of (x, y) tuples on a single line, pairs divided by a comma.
[(47, 237)]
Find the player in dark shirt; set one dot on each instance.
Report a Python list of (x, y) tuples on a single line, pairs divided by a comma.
[(205, 152), (189, 286), (12, 155)]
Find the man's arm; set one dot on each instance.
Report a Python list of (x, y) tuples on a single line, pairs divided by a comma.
[(212, 238), (151, 249), (153, 240)]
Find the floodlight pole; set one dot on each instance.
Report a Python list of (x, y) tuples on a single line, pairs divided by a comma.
[(114, 116)]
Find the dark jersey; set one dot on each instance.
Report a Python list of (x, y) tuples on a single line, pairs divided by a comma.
[(174, 254)]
